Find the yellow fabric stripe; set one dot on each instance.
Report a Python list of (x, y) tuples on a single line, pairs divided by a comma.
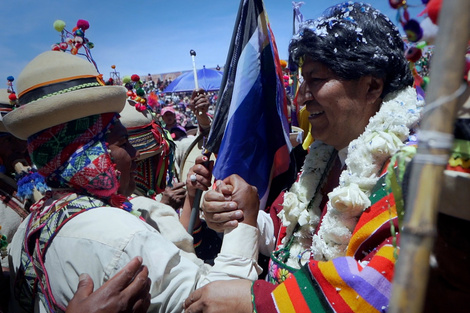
[(366, 231), (282, 300), (386, 251)]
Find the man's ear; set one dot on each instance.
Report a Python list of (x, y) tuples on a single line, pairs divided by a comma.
[(376, 87)]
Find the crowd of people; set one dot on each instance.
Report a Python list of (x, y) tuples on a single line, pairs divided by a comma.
[(107, 230)]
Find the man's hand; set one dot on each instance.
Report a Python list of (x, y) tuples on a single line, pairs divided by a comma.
[(199, 104), (233, 201), (127, 291), (221, 296), (174, 196), (199, 176)]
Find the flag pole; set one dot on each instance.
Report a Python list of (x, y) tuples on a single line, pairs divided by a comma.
[(435, 140), (193, 56), (207, 147)]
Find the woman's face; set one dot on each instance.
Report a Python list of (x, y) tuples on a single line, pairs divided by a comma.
[(339, 109), (169, 118), (124, 156)]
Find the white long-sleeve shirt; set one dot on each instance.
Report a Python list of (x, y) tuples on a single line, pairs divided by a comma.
[(103, 240)]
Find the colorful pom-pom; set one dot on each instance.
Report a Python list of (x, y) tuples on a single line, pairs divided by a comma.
[(396, 3), (413, 30), (413, 54), (126, 79), (79, 32), (130, 93), (12, 96), (59, 25), (90, 45), (10, 78), (63, 46), (432, 9), (84, 25), (140, 92), (135, 78), (140, 107)]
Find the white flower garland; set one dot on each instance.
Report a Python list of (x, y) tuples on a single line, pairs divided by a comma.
[(383, 137)]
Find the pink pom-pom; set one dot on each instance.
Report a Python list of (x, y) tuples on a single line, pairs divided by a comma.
[(84, 25)]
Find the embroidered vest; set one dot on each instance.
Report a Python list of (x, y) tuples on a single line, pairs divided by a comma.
[(32, 278)]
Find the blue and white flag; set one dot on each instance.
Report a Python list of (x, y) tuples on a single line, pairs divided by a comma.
[(250, 132)]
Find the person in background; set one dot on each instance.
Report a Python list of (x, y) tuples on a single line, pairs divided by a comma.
[(156, 157), (336, 226), (87, 224), (177, 131)]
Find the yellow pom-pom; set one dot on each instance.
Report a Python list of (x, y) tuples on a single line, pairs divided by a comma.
[(283, 63), (59, 25)]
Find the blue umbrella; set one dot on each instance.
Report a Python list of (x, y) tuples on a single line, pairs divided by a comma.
[(208, 79)]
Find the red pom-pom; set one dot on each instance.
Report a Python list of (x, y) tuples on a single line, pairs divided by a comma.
[(55, 47), (84, 25), (413, 54), (140, 107), (12, 96), (135, 78), (395, 3), (433, 8), (130, 93), (63, 46)]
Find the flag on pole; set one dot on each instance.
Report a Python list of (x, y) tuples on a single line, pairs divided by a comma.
[(250, 133), (298, 16)]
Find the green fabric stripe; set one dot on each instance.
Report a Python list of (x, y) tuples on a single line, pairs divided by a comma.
[(461, 147), (311, 291), (379, 191)]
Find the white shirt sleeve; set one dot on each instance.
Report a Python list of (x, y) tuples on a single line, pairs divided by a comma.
[(267, 239)]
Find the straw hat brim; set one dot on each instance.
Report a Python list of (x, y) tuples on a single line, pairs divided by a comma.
[(45, 113)]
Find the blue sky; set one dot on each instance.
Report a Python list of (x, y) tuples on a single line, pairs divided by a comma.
[(147, 36)]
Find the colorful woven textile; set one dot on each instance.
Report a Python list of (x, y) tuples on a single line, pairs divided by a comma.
[(41, 230), (151, 171), (74, 155), (359, 282)]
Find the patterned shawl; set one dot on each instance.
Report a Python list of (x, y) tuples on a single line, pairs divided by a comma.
[(75, 155)]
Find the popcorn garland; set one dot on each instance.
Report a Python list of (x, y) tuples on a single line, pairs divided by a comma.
[(383, 136)]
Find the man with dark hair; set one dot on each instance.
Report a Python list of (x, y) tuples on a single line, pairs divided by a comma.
[(336, 240)]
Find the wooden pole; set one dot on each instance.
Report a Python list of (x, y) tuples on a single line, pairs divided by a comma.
[(419, 227)]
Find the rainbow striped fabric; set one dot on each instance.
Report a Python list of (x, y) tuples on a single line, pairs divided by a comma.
[(359, 282)]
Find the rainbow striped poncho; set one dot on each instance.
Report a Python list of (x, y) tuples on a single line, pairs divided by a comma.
[(359, 282)]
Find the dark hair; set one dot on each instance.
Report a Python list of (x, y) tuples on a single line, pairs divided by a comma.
[(354, 40)]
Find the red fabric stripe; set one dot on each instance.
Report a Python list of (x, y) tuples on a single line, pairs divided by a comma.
[(329, 291), (295, 295), (262, 296)]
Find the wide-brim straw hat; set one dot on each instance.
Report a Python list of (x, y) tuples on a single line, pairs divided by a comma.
[(57, 87), (5, 107)]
